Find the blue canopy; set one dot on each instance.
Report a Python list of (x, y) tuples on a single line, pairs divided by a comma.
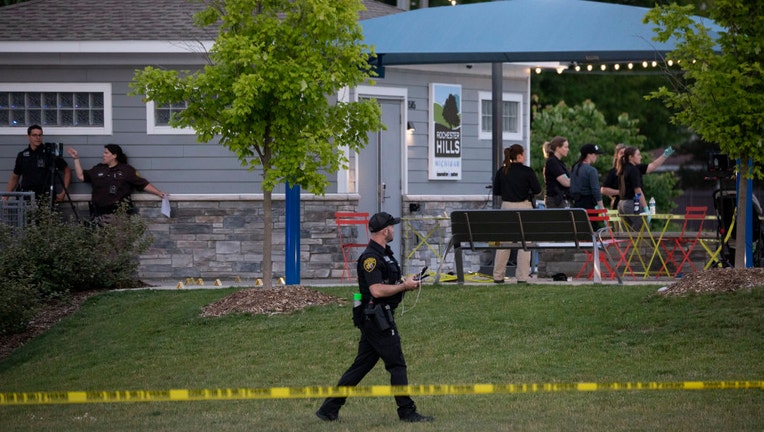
[(516, 31)]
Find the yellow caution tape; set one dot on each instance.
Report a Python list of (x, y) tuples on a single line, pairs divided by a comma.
[(76, 397)]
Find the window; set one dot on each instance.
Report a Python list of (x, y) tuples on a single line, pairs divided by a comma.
[(60, 108), (511, 116), (158, 119)]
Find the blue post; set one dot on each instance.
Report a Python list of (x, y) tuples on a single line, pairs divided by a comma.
[(292, 232), (748, 222), (749, 219)]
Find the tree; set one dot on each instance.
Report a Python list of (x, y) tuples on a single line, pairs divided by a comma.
[(582, 124), (451, 112), (720, 94), (265, 94)]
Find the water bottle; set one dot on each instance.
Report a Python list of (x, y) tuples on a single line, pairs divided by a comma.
[(356, 300), (636, 203), (652, 206)]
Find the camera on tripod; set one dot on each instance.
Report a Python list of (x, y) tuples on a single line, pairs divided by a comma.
[(53, 149), (718, 162)]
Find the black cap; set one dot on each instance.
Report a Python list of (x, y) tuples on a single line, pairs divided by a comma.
[(591, 149), (379, 221)]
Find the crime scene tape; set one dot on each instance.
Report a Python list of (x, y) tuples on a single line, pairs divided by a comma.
[(80, 397)]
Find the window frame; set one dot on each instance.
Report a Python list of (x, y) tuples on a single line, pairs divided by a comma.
[(104, 88), (506, 97), (153, 129)]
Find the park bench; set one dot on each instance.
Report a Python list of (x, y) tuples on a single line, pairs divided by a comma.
[(529, 229)]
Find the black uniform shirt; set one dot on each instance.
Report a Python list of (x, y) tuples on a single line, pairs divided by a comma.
[(517, 185), (633, 179), (554, 168), (378, 265), (32, 166), (112, 185)]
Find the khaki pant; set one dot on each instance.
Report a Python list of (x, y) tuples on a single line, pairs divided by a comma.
[(502, 255)]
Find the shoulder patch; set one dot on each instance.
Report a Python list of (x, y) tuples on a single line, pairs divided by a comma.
[(369, 264)]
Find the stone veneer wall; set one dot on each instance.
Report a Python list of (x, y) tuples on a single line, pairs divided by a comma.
[(221, 236)]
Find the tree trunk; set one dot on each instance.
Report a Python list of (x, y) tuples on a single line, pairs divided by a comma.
[(267, 265)]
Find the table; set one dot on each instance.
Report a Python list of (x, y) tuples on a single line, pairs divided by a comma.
[(652, 239), (429, 233)]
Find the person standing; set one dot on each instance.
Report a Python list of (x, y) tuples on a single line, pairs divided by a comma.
[(611, 186), (630, 181), (517, 184), (584, 179), (556, 175), (32, 170), (382, 289), (113, 180)]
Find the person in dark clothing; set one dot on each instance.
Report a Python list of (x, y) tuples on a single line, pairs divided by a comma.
[(517, 184), (556, 175), (382, 289), (584, 179), (113, 181), (32, 170), (611, 186)]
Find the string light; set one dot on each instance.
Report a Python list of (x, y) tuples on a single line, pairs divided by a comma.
[(644, 64), (538, 70), (578, 68), (617, 66), (589, 67), (630, 66), (603, 67)]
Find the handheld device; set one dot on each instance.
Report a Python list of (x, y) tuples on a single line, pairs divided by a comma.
[(422, 274)]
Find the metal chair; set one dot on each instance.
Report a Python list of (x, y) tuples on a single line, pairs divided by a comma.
[(600, 220), (350, 223), (685, 243)]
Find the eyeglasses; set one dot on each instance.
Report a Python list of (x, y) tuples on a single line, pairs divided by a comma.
[(35, 135)]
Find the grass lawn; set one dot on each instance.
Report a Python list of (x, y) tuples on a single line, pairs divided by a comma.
[(155, 340)]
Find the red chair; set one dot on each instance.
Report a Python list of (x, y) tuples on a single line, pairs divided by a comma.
[(600, 220), (350, 223), (686, 241)]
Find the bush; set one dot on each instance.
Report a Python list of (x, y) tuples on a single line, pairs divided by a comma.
[(50, 258)]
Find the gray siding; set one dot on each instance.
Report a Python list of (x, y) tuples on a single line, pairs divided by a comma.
[(477, 169)]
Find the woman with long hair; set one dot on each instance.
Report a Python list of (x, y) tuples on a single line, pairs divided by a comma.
[(517, 185), (556, 175), (611, 187), (630, 184)]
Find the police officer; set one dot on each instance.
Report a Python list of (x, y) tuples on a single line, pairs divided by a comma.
[(379, 280), (113, 180), (32, 171)]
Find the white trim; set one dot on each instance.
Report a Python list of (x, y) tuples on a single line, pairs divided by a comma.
[(506, 97), (106, 47), (153, 129), (104, 88)]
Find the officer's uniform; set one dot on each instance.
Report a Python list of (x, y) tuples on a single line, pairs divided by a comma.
[(32, 166), (376, 265), (112, 185)]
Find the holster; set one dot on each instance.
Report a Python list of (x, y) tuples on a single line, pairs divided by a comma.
[(381, 314)]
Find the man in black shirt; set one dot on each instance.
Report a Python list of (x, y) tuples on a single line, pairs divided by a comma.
[(379, 280), (32, 171)]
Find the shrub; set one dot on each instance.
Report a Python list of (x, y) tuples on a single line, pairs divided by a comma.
[(50, 258)]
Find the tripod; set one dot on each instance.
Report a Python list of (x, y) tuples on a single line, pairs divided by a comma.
[(53, 151)]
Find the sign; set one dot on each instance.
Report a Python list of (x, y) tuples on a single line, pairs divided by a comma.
[(445, 144)]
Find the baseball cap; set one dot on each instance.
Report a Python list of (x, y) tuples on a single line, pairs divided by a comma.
[(381, 220), (591, 149)]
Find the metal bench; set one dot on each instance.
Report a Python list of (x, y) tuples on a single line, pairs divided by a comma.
[(524, 229)]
